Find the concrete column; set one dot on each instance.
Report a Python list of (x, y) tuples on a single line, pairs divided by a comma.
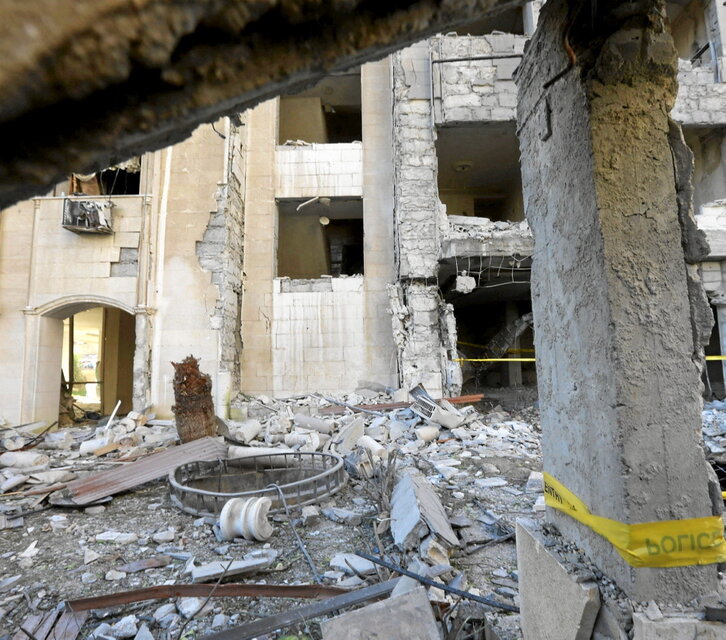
[(721, 319), (378, 243), (619, 345), (514, 369)]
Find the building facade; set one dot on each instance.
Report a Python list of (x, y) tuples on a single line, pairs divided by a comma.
[(369, 228)]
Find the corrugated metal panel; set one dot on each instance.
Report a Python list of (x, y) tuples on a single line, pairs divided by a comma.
[(107, 483)]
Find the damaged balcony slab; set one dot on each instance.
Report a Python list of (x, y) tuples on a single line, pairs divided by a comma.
[(467, 236)]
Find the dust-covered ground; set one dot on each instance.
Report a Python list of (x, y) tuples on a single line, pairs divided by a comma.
[(479, 471)]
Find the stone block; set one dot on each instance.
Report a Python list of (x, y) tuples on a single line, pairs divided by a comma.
[(397, 618), (676, 628), (554, 605)]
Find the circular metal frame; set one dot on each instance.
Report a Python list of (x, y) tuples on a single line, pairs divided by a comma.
[(203, 488)]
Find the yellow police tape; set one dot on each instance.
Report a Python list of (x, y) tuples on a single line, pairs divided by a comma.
[(668, 543)]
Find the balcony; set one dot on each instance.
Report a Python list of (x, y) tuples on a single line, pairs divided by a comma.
[(326, 170)]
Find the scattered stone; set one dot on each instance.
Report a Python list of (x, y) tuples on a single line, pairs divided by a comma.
[(112, 574), (535, 483), (116, 537), (164, 610), (89, 555), (144, 633), (189, 607), (341, 561), (167, 535), (343, 516), (88, 578), (489, 483), (125, 628), (94, 511), (102, 630), (220, 620), (416, 509), (401, 618), (310, 515), (251, 563), (432, 552), (555, 606)]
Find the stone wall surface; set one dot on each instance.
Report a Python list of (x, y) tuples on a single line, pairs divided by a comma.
[(701, 99), (471, 91)]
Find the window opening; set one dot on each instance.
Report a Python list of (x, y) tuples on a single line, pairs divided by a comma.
[(320, 236), (329, 112)]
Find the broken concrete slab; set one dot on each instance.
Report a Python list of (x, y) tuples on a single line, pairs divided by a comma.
[(415, 508), (251, 563), (351, 564), (608, 625), (396, 618), (554, 606), (676, 628), (346, 439), (343, 516)]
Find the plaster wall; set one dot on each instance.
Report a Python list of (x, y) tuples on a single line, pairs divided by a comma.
[(184, 294), (302, 118), (16, 236)]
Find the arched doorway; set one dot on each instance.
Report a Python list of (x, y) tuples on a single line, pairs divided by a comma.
[(83, 346), (98, 359)]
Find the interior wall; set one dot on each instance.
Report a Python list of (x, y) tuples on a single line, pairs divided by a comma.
[(709, 173), (302, 118), (302, 247), (119, 336), (690, 31)]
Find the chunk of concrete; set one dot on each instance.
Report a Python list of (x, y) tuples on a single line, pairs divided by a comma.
[(608, 625), (343, 516), (553, 605), (396, 618), (415, 507), (676, 628), (251, 563), (350, 563), (346, 439)]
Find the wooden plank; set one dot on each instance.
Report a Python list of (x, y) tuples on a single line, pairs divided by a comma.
[(68, 626), (108, 448), (107, 483), (302, 614)]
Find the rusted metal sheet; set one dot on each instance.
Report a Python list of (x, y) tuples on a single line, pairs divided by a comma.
[(389, 406), (107, 483), (203, 591)]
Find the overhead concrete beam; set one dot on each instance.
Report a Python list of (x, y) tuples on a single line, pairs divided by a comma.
[(88, 83)]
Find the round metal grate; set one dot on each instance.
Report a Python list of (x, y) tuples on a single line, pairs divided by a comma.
[(203, 488)]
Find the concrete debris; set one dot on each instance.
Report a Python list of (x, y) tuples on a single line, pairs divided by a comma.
[(125, 628), (251, 563), (352, 564), (396, 618), (415, 510), (343, 516)]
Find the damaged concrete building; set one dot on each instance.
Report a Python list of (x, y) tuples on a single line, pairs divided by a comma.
[(370, 227), (412, 220)]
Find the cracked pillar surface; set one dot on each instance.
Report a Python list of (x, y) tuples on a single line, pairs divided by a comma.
[(619, 320)]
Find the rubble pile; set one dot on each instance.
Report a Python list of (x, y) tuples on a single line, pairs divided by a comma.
[(433, 489)]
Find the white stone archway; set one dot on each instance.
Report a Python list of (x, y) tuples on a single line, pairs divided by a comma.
[(43, 347)]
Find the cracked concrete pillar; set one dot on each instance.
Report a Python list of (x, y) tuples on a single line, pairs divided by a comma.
[(619, 321)]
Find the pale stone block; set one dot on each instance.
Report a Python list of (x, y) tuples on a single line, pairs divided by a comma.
[(554, 606), (676, 629)]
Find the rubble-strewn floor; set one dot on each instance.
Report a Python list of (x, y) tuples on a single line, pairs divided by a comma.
[(479, 471)]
